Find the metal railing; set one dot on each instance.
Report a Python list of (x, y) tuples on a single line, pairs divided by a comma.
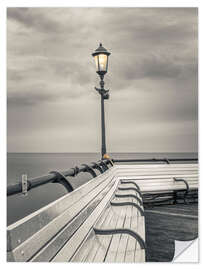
[(58, 177), (61, 177)]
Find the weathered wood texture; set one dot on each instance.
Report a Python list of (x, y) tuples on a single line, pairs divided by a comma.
[(102, 221), (159, 177)]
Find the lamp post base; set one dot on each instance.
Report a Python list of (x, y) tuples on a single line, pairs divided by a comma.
[(106, 156)]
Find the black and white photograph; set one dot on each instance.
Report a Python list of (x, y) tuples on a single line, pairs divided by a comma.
[(102, 134)]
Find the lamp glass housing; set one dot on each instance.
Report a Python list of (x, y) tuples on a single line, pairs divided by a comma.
[(101, 61)]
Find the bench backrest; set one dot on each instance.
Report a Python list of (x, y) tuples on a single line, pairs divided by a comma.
[(27, 236), (159, 177)]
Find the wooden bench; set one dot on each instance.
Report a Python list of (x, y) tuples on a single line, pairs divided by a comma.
[(160, 178), (98, 222), (119, 234), (101, 221)]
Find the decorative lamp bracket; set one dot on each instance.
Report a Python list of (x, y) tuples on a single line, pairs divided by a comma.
[(103, 92)]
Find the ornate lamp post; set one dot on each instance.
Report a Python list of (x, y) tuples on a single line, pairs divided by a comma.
[(101, 59)]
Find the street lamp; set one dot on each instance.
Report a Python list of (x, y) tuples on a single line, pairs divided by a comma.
[(101, 59)]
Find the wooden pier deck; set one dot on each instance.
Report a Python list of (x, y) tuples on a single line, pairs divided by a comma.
[(175, 222), (105, 220)]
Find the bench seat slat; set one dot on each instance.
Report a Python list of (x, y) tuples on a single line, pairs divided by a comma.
[(139, 255), (167, 187), (157, 174), (148, 177), (169, 184), (120, 255), (88, 245), (110, 257), (71, 247), (99, 251), (116, 209), (104, 239), (153, 166)]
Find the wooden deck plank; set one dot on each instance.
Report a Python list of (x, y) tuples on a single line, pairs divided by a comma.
[(160, 235)]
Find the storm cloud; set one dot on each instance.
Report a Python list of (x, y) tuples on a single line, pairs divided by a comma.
[(153, 79)]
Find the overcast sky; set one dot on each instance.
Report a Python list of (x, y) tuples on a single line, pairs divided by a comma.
[(52, 104)]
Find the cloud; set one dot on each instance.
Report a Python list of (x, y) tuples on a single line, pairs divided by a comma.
[(152, 75), (29, 18)]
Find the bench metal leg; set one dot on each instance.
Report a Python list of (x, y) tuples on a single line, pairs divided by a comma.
[(130, 182), (186, 190), (129, 195), (120, 231), (128, 203), (131, 188)]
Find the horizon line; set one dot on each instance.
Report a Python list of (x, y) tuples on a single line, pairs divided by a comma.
[(99, 152)]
